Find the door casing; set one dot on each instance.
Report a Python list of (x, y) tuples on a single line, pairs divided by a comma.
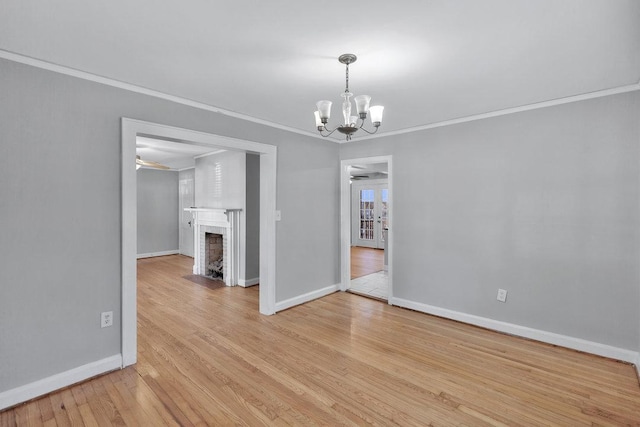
[(130, 129)]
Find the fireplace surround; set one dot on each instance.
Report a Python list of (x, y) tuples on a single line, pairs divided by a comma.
[(224, 222)]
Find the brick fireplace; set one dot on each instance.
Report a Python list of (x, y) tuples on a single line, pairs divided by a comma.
[(212, 251), (213, 255)]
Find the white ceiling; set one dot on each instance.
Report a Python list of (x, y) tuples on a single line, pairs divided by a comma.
[(426, 61), (369, 170), (176, 155)]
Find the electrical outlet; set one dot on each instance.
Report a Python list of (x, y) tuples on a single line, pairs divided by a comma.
[(502, 295), (106, 319)]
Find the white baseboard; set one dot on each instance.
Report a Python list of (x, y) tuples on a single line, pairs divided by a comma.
[(154, 254), (55, 382), (245, 283), (637, 363), (291, 302), (523, 331)]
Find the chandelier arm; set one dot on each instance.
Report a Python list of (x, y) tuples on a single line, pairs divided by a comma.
[(364, 129), (327, 130), (370, 133)]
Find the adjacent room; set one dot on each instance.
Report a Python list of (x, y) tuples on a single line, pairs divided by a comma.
[(193, 198), (427, 213), (369, 229)]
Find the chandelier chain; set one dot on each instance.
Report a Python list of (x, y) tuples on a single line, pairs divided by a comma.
[(347, 79)]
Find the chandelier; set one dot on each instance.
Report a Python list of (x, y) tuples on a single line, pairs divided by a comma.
[(350, 125)]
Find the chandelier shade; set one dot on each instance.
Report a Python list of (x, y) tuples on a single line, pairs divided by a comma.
[(324, 109), (376, 115), (350, 123), (362, 104)]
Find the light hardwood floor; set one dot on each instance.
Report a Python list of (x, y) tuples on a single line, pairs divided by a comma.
[(206, 357), (365, 261)]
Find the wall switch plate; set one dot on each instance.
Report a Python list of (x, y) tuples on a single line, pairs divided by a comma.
[(502, 295), (106, 319)]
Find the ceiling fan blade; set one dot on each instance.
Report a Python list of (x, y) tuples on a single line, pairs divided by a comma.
[(155, 165), (150, 163)]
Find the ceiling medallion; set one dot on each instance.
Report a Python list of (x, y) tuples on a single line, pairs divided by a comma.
[(350, 125)]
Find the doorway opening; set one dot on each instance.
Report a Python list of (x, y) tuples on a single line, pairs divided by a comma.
[(366, 238), (131, 129)]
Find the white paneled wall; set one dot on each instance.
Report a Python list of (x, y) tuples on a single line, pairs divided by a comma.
[(221, 180)]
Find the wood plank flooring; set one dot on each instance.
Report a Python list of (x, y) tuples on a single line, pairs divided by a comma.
[(365, 261), (207, 357)]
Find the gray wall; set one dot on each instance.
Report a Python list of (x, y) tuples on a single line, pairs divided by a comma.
[(60, 175), (252, 206), (542, 203), (157, 211), (312, 179)]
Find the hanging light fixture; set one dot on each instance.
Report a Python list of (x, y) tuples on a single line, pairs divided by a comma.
[(350, 125)]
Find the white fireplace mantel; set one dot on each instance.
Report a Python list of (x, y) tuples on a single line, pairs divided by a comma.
[(227, 221)]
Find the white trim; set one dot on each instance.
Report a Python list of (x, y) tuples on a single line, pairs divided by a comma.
[(144, 91), (225, 222), (248, 282), (199, 156), (55, 382), (310, 296), (129, 313), (345, 225), (523, 331), (345, 219), (267, 271), (151, 168), (155, 254), (11, 56), (268, 177), (637, 364), (506, 111)]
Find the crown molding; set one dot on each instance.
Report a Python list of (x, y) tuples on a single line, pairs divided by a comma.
[(186, 169), (38, 63), (506, 111)]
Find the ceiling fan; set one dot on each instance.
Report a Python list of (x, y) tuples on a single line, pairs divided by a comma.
[(149, 163)]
